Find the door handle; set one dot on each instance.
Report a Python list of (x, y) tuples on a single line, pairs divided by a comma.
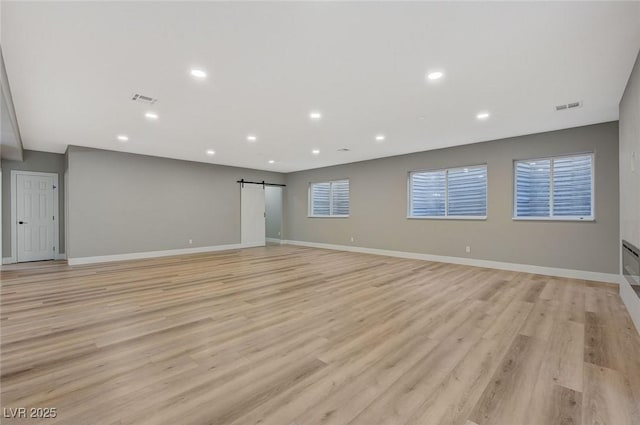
[(22, 222)]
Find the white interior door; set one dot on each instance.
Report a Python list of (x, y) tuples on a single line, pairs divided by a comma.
[(35, 217), (252, 214)]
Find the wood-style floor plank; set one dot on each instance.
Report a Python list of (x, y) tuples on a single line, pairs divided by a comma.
[(287, 335)]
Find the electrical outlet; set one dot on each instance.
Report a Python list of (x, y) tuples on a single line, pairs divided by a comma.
[(468, 249), (278, 233), (190, 241), (352, 239)]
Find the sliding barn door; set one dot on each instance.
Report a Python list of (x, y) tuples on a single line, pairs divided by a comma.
[(252, 215)]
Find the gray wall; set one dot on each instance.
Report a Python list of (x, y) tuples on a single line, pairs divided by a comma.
[(273, 207), (33, 161), (630, 159), (379, 205), (123, 203)]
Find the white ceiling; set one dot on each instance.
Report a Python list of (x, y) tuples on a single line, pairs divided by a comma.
[(74, 66)]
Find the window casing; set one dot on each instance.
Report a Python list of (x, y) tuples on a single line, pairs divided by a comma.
[(454, 193), (556, 188), (329, 199)]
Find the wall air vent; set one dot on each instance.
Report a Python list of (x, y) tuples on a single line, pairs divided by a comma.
[(568, 106), (143, 99)]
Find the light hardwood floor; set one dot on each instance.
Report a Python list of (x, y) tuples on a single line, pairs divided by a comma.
[(294, 336)]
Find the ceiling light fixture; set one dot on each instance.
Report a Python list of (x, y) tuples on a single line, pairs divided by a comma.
[(198, 73), (123, 137), (436, 75), (315, 151), (211, 152), (252, 138), (151, 115), (271, 161), (482, 115), (380, 137), (315, 115)]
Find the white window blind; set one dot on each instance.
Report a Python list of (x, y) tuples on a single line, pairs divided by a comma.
[(428, 194), (321, 199), (467, 192), (533, 188), (555, 188), (340, 197), (329, 199), (456, 192)]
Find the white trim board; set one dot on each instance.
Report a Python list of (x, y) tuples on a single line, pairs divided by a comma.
[(274, 240), (12, 260), (526, 268), (155, 254), (631, 301)]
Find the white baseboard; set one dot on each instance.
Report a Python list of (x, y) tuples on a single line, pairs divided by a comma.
[(631, 301), (13, 260), (274, 240), (154, 254), (526, 268)]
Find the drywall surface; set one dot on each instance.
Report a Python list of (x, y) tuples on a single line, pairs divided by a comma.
[(378, 198)]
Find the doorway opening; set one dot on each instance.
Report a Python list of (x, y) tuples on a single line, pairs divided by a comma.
[(273, 208)]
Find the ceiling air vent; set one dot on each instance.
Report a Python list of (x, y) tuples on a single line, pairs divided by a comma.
[(568, 106), (143, 99), (344, 150)]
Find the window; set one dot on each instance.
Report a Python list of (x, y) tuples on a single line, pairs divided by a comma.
[(329, 199), (554, 188), (454, 193)]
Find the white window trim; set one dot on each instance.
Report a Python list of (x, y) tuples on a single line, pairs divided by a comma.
[(446, 195), (555, 218), (448, 217), (310, 200), (551, 217)]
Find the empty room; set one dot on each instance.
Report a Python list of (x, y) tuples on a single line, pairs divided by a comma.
[(320, 212)]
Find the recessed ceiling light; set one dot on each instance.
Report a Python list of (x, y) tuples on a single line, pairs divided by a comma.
[(198, 73), (211, 152), (315, 115), (380, 137), (151, 115), (482, 115), (315, 151), (271, 161), (123, 137), (436, 75), (252, 138)]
